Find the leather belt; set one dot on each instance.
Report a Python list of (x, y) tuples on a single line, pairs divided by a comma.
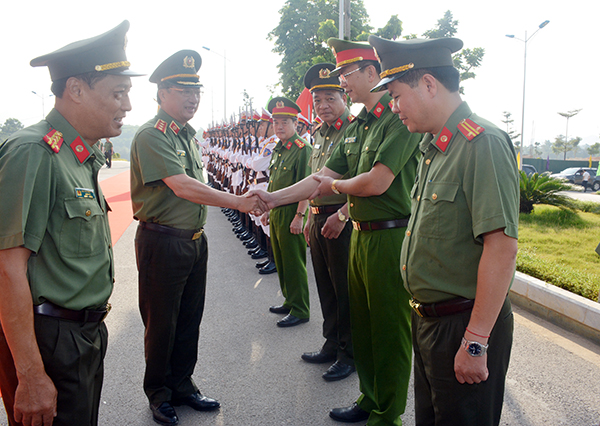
[(376, 226), (181, 233), (85, 315), (442, 309), (261, 180), (325, 209)]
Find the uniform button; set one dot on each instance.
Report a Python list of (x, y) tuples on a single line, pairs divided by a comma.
[(434, 197), (275, 167), (408, 233), (366, 127), (88, 212), (366, 148), (428, 161), (322, 153), (404, 267), (285, 168), (348, 152), (327, 138), (280, 155), (418, 198), (351, 204)]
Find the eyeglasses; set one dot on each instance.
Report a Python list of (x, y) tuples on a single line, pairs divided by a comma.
[(188, 93), (342, 77)]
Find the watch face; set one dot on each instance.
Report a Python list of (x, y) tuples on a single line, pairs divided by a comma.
[(474, 349)]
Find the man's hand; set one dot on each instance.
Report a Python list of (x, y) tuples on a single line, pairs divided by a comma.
[(267, 198), (35, 399), (333, 227), (324, 188), (264, 219), (296, 225), (470, 369), (252, 204), (306, 232)]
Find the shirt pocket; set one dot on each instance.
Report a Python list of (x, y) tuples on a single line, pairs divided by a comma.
[(83, 230), (352, 152), (439, 215)]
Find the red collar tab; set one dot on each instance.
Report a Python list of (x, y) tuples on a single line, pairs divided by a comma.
[(378, 110), (470, 129), (173, 126), (338, 124), (288, 145), (81, 152), (391, 103), (161, 125), (444, 139), (54, 139)]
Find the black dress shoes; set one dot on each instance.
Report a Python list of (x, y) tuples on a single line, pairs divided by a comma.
[(350, 414), (338, 371), (259, 254), (198, 402), (318, 357), (164, 414), (269, 268), (290, 321), (280, 309), (262, 264)]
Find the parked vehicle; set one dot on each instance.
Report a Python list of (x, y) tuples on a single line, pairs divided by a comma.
[(528, 169), (574, 175), (596, 184)]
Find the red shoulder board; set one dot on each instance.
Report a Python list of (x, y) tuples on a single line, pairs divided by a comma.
[(378, 110), (54, 139), (338, 124), (161, 125), (173, 126), (288, 145), (391, 103), (351, 118), (299, 143), (444, 139), (470, 129), (318, 126), (78, 147)]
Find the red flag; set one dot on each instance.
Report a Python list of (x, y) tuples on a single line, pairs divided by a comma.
[(304, 101)]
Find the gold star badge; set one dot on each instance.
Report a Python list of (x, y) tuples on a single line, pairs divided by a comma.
[(188, 62)]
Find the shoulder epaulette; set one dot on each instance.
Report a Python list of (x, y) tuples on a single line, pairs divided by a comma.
[(54, 139), (470, 129), (299, 143), (174, 127), (350, 118), (161, 125)]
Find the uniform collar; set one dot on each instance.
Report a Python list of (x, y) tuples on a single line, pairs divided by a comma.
[(80, 149), (442, 141), (173, 125), (337, 124)]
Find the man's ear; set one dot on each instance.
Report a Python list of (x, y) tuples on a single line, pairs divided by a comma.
[(74, 89), (430, 83)]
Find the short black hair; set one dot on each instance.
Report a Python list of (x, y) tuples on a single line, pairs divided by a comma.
[(90, 78), (448, 76), (365, 64)]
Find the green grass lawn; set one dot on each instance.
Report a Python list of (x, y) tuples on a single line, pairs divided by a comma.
[(558, 246)]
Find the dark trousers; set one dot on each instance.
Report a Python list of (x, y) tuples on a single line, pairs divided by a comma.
[(172, 284), (330, 264), (108, 157), (439, 398), (73, 356)]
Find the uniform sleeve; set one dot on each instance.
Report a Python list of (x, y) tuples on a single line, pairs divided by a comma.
[(157, 156), (304, 160), (398, 145), (491, 186), (26, 188)]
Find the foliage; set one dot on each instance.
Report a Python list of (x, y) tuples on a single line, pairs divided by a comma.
[(510, 131), (392, 30), (594, 149), (560, 146), (10, 126), (557, 246), (542, 189)]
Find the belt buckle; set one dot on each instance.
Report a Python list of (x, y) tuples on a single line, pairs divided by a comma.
[(197, 235), (416, 306), (356, 225), (108, 308)]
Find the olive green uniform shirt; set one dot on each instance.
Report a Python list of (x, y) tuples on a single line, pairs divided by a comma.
[(289, 163), (466, 187), (326, 140), (52, 205), (378, 136), (161, 148)]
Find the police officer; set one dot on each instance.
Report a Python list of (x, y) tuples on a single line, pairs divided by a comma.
[(289, 164), (56, 260), (327, 229), (108, 152), (169, 199), (458, 257)]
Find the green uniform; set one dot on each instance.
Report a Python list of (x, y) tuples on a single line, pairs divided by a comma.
[(57, 211), (379, 309), (467, 186), (171, 263), (289, 164), (330, 256)]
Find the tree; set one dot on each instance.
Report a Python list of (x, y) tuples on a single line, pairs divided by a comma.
[(561, 146), (542, 189), (247, 101), (10, 126), (510, 131), (594, 149), (392, 30)]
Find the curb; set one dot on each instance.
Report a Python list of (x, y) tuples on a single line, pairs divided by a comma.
[(561, 307)]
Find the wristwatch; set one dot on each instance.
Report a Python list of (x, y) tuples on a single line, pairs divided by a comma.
[(300, 214), (334, 188), (341, 216), (473, 348)]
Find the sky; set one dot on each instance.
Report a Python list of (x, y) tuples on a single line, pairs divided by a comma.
[(559, 56)]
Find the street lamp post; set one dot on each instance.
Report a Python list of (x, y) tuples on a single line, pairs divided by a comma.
[(542, 25), (42, 97), (224, 56)]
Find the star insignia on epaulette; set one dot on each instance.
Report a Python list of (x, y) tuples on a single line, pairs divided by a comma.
[(54, 139), (161, 125)]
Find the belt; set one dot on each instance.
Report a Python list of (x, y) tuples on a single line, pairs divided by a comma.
[(442, 309), (259, 180), (325, 209), (181, 233), (376, 226), (85, 315)]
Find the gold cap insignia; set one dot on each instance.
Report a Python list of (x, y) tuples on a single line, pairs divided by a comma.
[(280, 104), (324, 73), (188, 62)]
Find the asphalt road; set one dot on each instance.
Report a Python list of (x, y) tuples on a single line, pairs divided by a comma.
[(254, 368)]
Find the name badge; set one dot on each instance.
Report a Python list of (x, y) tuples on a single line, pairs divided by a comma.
[(85, 193), (318, 146), (180, 153), (350, 140)]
